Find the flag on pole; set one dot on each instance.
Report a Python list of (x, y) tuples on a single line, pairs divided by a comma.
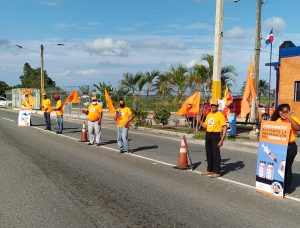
[(73, 97), (270, 38), (227, 97), (249, 92), (191, 105), (109, 103)]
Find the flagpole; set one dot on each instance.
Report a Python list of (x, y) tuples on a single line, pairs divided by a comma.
[(270, 72)]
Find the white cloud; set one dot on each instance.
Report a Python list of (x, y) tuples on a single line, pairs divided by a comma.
[(236, 33), (51, 2), (107, 46), (192, 26), (191, 63), (159, 44), (277, 23), (65, 25)]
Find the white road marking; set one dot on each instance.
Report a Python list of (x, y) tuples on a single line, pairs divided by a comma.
[(8, 119), (168, 164)]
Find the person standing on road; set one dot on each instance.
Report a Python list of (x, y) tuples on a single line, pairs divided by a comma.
[(283, 114), (216, 130), (123, 117), (47, 109), (94, 114), (59, 113)]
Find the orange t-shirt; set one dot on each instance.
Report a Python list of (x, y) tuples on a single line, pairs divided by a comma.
[(94, 112), (293, 132), (123, 118)]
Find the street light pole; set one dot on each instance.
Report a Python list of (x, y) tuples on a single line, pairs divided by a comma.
[(254, 105), (42, 73), (216, 84)]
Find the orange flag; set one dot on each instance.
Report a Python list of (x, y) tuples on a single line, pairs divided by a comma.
[(109, 103), (227, 97), (249, 92), (191, 105), (73, 97)]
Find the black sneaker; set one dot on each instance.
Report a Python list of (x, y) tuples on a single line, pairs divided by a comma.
[(98, 144), (90, 144), (121, 151), (58, 132)]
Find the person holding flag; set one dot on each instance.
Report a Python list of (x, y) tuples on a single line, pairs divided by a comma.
[(94, 114), (216, 130)]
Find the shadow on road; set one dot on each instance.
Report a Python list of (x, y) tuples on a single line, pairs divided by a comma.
[(143, 148), (196, 165), (229, 167), (109, 142)]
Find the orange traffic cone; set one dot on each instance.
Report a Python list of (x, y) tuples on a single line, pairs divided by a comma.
[(83, 133), (183, 156)]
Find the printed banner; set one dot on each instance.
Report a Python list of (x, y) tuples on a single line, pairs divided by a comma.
[(24, 118), (271, 158)]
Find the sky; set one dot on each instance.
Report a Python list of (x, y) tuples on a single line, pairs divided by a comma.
[(105, 38)]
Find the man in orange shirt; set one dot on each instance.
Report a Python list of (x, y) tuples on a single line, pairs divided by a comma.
[(216, 130), (94, 114), (59, 113), (123, 117), (47, 108)]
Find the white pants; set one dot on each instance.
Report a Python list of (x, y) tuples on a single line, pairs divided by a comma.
[(94, 130)]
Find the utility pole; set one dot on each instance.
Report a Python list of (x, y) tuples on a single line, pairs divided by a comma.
[(42, 73), (216, 84), (254, 105)]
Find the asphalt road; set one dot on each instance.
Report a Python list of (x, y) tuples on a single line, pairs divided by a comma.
[(50, 180)]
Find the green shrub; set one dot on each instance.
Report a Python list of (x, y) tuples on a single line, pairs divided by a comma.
[(161, 115), (140, 117)]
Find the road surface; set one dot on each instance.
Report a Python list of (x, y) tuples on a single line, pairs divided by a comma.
[(50, 180)]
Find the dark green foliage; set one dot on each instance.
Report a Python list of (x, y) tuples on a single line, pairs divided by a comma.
[(3, 88), (161, 115), (31, 78)]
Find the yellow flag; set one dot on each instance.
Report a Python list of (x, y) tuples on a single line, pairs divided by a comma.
[(190, 105), (109, 103)]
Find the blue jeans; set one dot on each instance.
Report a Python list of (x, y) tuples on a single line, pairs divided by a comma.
[(60, 123), (47, 119), (122, 139)]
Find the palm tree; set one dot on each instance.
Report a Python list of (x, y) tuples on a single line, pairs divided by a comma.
[(149, 77), (102, 86), (227, 72), (84, 89), (163, 85), (179, 79), (131, 83), (227, 76), (197, 78)]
